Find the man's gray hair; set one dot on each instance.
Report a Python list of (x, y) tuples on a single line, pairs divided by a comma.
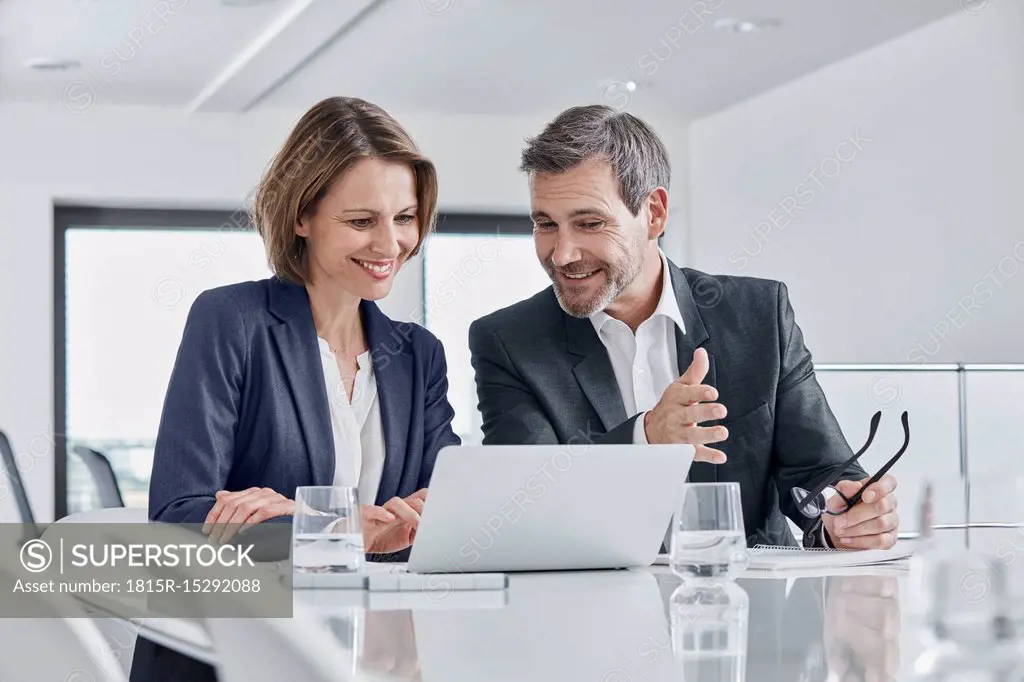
[(630, 146)]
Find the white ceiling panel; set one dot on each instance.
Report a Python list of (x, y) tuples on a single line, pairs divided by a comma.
[(133, 52), (535, 56), (505, 57)]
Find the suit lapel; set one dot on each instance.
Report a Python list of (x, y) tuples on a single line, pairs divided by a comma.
[(393, 372), (695, 337), (593, 371), (597, 380), (296, 343)]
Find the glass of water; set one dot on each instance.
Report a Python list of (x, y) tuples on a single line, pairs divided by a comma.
[(708, 538), (327, 531)]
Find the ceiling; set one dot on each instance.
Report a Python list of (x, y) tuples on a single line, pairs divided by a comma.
[(505, 57)]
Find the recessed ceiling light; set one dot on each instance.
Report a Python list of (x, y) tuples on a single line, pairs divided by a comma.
[(745, 25), (629, 86), (52, 64)]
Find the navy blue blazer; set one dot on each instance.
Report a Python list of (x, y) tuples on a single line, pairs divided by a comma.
[(247, 402)]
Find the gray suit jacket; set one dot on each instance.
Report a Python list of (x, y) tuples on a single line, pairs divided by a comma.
[(543, 376)]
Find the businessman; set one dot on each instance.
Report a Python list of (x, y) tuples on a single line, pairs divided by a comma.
[(625, 347)]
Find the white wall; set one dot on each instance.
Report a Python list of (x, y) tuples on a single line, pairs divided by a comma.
[(910, 252), (150, 157)]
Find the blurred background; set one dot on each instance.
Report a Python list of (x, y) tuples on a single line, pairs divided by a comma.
[(865, 152)]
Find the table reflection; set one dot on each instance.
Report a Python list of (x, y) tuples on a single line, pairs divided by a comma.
[(598, 626), (626, 626), (862, 628), (390, 645), (709, 631)]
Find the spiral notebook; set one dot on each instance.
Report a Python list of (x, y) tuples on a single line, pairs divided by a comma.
[(780, 558), (769, 557)]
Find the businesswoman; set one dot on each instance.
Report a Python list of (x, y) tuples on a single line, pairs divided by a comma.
[(300, 379)]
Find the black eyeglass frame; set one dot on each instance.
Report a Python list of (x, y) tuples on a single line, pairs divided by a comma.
[(834, 473)]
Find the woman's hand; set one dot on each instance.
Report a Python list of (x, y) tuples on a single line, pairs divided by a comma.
[(392, 528), (251, 506)]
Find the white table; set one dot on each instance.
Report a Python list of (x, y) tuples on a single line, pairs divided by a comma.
[(616, 626)]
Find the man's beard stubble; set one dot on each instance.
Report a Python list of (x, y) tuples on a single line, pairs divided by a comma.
[(617, 279)]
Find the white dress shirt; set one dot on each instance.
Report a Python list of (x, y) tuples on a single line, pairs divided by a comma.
[(645, 363), (356, 425)]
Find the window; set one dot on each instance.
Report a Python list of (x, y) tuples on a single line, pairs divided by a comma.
[(467, 276), (127, 283)]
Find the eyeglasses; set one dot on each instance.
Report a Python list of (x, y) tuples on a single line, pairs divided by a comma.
[(815, 502)]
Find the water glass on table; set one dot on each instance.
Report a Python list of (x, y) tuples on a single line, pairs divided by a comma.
[(327, 531), (708, 538)]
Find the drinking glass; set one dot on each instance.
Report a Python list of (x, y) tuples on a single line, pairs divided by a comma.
[(708, 538), (327, 531)]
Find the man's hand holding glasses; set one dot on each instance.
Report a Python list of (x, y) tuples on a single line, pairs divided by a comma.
[(872, 524), (856, 514)]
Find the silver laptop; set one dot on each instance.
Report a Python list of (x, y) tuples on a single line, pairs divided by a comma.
[(548, 507)]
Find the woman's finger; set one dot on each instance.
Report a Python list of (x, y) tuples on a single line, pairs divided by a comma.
[(229, 510), (274, 505), (224, 498), (283, 507), (245, 512), (373, 514), (240, 510), (392, 538), (419, 494), (401, 509)]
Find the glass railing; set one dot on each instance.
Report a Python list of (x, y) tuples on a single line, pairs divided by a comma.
[(963, 425), (963, 421)]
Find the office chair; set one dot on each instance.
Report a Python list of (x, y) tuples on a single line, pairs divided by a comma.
[(14, 481), (102, 475)]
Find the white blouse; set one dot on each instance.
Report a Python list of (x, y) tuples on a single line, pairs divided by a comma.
[(356, 425)]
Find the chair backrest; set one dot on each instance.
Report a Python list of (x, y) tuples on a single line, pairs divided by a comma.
[(10, 466), (61, 644), (275, 649), (102, 475)]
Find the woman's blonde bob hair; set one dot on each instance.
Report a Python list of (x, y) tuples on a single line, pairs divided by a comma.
[(329, 139)]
